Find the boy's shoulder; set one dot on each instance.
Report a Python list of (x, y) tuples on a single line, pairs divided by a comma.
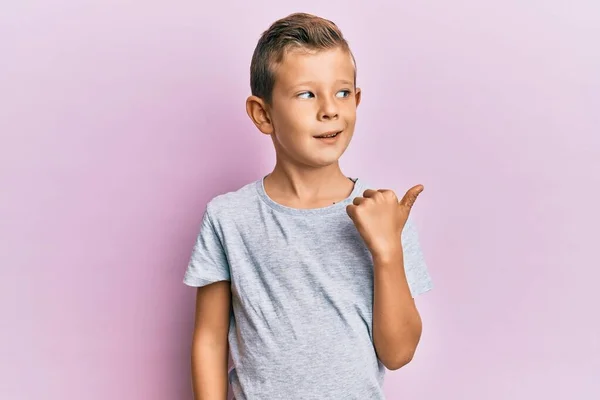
[(232, 201)]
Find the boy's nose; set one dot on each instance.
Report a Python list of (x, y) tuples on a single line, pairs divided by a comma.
[(328, 110)]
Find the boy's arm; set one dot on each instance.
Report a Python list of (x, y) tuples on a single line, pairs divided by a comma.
[(397, 323), (380, 219), (210, 349)]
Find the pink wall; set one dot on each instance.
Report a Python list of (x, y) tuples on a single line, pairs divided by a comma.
[(120, 119)]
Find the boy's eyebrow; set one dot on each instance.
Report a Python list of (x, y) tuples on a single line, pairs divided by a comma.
[(306, 83)]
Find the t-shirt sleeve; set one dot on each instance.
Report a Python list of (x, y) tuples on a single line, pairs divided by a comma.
[(417, 275), (208, 262)]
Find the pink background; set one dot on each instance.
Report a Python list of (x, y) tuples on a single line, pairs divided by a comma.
[(120, 119)]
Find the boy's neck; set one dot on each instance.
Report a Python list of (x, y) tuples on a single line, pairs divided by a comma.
[(307, 187)]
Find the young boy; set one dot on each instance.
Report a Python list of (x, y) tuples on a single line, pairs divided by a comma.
[(306, 276)]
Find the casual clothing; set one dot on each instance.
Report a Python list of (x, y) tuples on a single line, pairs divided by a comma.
[(302, 293)]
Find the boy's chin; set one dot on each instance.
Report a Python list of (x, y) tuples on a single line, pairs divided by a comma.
[(323, 162), (314, 158), (326, 158)]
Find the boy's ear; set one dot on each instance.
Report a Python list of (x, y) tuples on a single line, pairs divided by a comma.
[(357, 95), (258, 112)]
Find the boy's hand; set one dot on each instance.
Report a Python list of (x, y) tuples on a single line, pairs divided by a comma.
[(380, 219)]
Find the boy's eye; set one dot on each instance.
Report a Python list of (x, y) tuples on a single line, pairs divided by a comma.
[(305, 95), (308, 95)]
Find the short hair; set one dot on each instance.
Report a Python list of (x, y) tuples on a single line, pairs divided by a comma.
[(298, 30)]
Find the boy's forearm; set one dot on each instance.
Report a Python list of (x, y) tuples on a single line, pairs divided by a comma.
[(209, 371), (396, 321)]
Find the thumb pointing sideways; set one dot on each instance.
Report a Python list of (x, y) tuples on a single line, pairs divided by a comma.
[(411, 196)]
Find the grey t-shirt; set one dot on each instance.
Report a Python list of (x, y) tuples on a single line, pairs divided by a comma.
[(302, 293)]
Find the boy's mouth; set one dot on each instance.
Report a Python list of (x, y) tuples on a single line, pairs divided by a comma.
[(328, 135)]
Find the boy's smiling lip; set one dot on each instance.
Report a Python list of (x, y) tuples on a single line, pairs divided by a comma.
[(329, 133)]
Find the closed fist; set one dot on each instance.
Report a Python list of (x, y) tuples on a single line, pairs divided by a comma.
[(380, 218)]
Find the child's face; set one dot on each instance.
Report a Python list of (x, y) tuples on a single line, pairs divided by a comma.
[(314, 94)]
